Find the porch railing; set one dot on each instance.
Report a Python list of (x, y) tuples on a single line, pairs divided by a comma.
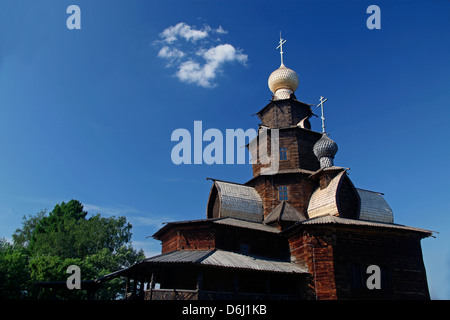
[(183, 294)]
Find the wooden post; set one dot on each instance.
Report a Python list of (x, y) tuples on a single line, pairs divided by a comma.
[(134, 287), (127, 287), (141, 289), (152, 284)]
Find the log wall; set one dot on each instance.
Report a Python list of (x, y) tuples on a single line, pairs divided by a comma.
[(338, 259)]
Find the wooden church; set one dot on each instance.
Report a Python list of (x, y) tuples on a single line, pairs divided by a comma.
[(301, 231)]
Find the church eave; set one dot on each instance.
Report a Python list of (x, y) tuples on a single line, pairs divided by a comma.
[(279, 101), (222, 221), (338, 222), (320, 171), (169, 225)]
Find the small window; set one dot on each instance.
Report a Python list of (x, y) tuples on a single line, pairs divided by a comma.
[(283, 153), (282, 193)]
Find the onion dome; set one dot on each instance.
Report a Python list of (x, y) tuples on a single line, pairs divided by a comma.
[(325, 149), (283, 82)]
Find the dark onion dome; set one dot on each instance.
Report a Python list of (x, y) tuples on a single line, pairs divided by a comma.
[(325, 149)]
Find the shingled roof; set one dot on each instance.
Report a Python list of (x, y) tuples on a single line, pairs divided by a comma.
[(324, 201), (235, 200), (284, 212), (374, 207)]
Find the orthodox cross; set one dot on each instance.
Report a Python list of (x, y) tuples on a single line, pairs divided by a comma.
[(322, 101), (282, 41)]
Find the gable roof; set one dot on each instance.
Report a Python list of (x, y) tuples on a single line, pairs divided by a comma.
[(236, 200), (225, 221), (239, 198), (284, 211), (324, 201), (246, 224)]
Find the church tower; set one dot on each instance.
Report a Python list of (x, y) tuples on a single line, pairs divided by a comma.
[(296, 159)]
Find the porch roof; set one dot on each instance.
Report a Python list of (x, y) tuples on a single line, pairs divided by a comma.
[(213, 258)]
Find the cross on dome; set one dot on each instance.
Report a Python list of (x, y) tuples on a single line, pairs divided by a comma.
[(320, 105), (280, 46)]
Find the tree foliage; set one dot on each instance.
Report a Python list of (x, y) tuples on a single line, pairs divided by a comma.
[(48, 243), (14, 272)]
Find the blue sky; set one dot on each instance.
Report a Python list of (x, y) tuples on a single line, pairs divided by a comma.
[(88, 114)]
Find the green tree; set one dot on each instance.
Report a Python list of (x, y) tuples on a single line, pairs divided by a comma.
[(45, 268), (22, 236), (65, 236), (14, 272)]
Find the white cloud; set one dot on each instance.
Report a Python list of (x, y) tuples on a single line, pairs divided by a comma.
[(182, 30), (197, 64), (221, 30), (170, 53), (224, 53), (203, 75)]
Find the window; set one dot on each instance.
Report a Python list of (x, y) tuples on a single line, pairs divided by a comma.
[(283, 153), (282, 193)]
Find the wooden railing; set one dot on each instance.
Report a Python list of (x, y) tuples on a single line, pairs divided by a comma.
[(170, 294), (220, 295), (183, 294)]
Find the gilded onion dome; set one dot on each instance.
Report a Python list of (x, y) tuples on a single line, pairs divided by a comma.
[(325, 149), (283, 82)]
